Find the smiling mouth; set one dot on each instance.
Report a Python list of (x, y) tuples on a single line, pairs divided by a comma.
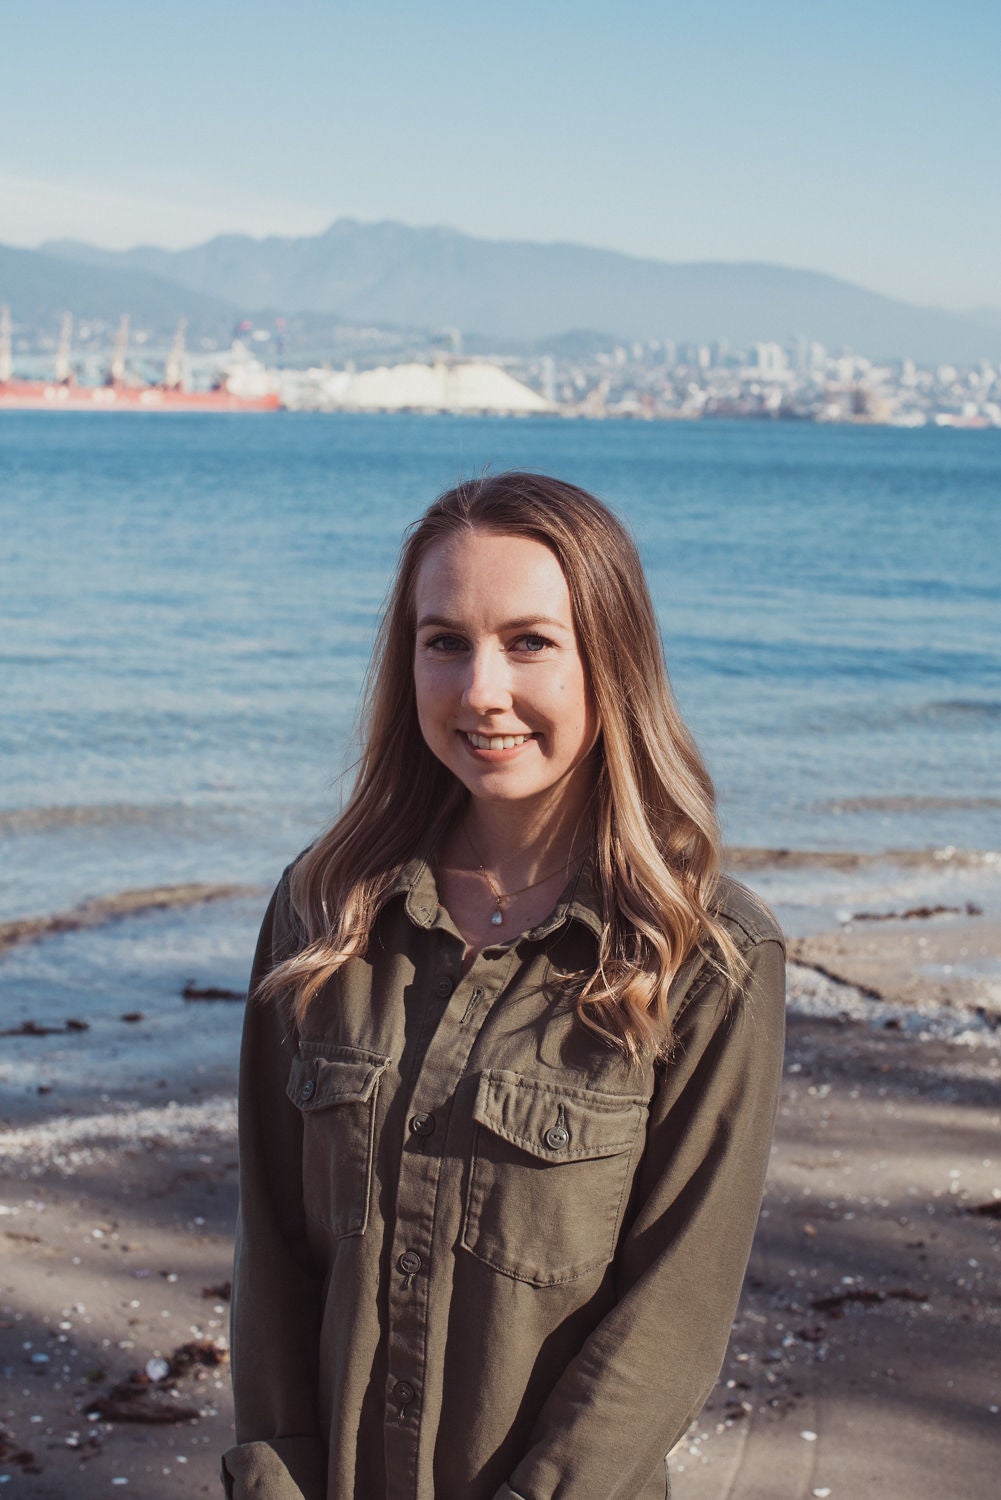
[(495, 741)]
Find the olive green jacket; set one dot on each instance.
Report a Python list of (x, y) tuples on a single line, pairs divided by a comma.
[(479, 1257)]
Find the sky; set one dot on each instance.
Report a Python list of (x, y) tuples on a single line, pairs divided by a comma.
[(860, 139)]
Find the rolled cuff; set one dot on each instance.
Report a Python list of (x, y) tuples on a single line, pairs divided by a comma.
[(286, 1468)]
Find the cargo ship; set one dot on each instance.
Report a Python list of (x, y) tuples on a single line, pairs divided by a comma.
[(118, 393)]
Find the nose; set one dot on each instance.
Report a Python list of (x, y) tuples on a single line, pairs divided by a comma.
[(487, 687)]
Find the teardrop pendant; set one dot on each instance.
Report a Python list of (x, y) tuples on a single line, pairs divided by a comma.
[(497, 917)]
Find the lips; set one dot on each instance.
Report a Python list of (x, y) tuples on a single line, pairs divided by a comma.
[(495, 741)]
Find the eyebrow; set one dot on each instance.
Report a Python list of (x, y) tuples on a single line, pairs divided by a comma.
[(524, 622)]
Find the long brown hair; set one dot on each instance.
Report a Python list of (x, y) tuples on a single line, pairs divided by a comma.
[(657, 842)]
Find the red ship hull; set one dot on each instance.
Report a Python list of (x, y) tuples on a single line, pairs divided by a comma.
[(41, 395)]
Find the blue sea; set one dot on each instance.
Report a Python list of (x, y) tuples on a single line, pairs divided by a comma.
[(187, 605)]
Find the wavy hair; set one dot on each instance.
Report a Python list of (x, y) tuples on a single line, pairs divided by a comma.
[(656, 851)]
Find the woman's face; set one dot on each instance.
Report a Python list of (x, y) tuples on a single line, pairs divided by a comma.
[(502, 694)]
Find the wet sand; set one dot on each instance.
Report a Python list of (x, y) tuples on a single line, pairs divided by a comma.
[(864, 1358)]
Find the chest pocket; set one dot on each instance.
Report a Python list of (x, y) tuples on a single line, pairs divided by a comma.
[(336, 1090), (549, 1177)]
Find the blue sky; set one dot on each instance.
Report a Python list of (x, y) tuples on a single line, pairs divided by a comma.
[(859, 139)]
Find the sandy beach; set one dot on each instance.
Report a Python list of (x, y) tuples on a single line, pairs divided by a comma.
[(864, 1357)]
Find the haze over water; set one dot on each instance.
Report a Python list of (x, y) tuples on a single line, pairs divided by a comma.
[(188, 605)]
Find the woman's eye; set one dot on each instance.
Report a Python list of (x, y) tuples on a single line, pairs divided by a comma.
[(532, 645), (445, 643)]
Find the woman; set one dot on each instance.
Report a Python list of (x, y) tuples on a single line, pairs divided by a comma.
[(512, 1053)]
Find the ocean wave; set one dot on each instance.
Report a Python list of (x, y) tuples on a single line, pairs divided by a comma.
[(966, 709), (100, 910), (745, 858), (97, 815), (878, 713), (903, 804)]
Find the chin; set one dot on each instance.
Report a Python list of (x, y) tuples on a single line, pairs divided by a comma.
[(496, 791)]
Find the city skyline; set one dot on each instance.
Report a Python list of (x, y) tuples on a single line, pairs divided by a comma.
[(858, 141)]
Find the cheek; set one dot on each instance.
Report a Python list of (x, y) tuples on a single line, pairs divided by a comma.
[(577, 695), (422, 693), (430, 694), (427, 723)]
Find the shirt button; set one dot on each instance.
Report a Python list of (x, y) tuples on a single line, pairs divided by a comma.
[(444, 987), (409, 1263), (422, 1124), (556, 1137), (308, 1089), (404, 1392)]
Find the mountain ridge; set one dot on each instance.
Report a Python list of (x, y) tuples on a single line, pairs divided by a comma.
[(34, 285), (391, 274)]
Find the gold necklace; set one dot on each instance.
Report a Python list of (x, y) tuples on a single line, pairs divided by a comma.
[(500, 897)]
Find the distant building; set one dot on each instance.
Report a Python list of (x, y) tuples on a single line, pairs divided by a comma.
[(770, 361)]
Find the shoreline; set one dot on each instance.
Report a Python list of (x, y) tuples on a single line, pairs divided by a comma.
[(34, 1142), (737, 858), (98, 911)]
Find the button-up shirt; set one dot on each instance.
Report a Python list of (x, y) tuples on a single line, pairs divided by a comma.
[(480, 1256)]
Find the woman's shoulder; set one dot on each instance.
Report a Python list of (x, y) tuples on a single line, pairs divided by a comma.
[(289, 933), (747, 918)]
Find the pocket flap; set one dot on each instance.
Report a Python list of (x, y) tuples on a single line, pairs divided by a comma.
[(557, 1124), (339, 1076)]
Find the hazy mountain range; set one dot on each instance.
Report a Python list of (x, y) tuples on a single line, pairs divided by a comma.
[(389, 274), (39, 287)]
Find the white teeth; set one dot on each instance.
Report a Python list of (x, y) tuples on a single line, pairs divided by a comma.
[(496, 741)]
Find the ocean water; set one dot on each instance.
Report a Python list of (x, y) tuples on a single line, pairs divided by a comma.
[(187, 606)]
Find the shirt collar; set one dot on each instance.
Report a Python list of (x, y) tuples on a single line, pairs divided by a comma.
[(579, 902)]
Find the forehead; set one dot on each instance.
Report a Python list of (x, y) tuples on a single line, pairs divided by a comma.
[(482, 572)]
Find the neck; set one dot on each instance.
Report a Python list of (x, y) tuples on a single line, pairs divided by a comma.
[(519, 845)]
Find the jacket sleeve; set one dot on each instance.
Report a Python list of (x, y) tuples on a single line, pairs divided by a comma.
[(275, 1317), (648, 1367)]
